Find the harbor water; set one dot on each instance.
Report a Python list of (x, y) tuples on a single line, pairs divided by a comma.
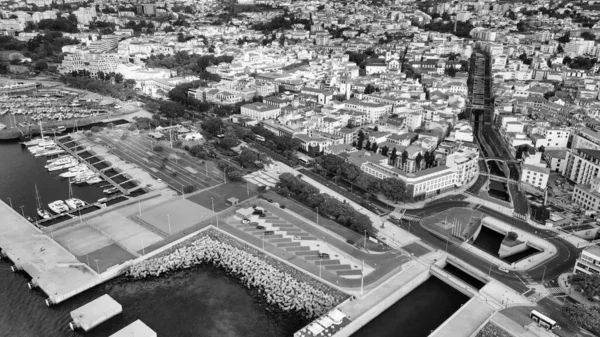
[(200, 302)]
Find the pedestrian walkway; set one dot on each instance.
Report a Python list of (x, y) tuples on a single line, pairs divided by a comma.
[(393, 235)]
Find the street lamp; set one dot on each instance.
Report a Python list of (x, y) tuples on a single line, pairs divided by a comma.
[(213, 204), (317, 215), (169, 220), (10, 201), (22, 212), (97, 267), (543, 274)]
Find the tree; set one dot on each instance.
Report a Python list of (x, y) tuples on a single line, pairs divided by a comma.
[(213, 125), (41, 65), (349, 171), (384, 150), (119, 78), (450, 71), (369, 89), (247, 157), (393, 156), (234, 175), (374, 147), (418, 159), (368, 145), (330, 163), (587, 317), (229, 141), (588, 285), (171, 109), (541, 149), (566, 38), (393, 189), (158, 148), (361, 135), (567, 60), (404, 157)]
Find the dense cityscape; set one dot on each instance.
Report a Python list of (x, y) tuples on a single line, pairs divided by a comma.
[(307, 168)]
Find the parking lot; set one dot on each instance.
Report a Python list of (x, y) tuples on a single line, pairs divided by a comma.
[(177, 170)]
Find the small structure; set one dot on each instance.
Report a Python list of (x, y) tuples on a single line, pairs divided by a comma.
[(244, 212), (94, 313), (233, 201), (135, 329)]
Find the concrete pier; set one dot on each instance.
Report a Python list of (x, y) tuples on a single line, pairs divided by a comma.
[(52, 268), (135, 329), (94, 313)]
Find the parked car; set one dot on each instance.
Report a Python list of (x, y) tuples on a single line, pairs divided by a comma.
[(297, 237), (260, 227), (502, 269), (282, 206), (324, 255), (350, 242), (262, 215), (268, 233)]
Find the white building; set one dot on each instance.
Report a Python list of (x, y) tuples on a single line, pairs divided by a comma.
[(588, 262), (535, 175), (260, 111)]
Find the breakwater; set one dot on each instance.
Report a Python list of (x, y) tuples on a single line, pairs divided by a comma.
[(280, 284)]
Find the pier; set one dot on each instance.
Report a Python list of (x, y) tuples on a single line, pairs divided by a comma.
[(94, 313), (52, 268), (88, 164), (73, 213), (135, 329)]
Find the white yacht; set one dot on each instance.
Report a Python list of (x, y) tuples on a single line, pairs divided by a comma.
[(36, 141), (94, 180), (67, 165), (60, 162), (74, 171), (58, 206), (75, 203)]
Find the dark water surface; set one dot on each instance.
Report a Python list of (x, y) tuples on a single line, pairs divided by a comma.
[(199, 302), (418, 313), (203, 301)]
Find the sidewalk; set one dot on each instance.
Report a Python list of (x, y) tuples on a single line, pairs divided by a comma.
[(393, 235), (568, 289)]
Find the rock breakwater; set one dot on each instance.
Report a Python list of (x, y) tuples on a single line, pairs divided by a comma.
[(274, 281)]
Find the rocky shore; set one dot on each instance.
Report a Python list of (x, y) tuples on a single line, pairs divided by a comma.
[(280, 284)]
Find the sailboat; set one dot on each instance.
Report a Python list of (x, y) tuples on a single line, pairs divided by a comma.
[(40, 210), (73, 203)]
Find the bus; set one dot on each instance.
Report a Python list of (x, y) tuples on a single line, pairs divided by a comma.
[(542, 320), (261, 138)]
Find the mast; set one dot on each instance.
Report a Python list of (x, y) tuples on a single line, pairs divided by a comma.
[(37, 197), (70, 189)]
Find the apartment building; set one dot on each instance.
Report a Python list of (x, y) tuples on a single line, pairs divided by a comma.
[(106, 43), (260, 111), (374, 111), (587, 195), (536, 176), (583, 165), (586, 139), (588, 261)]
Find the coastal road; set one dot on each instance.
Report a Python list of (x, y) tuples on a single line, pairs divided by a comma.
[(560, 263)]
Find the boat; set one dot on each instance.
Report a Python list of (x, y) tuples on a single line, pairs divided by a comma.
[(94, 180), (102, 200), (75, 203), (72, 163), (41, 211), (110, 190), (84, 177), (74, 171), (50, 152), (58, 206), (60, 162)]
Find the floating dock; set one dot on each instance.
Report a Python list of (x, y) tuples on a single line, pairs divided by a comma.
[(94, 313), (135, 329)]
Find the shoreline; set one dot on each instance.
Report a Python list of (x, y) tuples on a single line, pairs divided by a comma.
[(279, 284)]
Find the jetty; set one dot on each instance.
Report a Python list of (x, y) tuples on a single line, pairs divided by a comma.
[(52, 268), (135, 329), (95, 313), (89, 165)]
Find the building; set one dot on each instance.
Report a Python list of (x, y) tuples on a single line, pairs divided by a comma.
[(583, 165), (535, 175), (260, 111), (588, 262), (587, 195)]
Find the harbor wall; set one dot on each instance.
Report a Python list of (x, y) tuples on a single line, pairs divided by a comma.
[(384, 303), (281, 284)]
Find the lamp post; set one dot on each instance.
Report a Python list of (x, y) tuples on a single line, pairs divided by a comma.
[(543, 274), (317, 215), (213, 204), (365, 245), (320, 264), (10, 201), (169, 220), (97, 267), (490, 270), (22, 212)]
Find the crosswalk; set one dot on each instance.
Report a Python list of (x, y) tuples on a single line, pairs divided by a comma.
[(555, 290), (410, 217)]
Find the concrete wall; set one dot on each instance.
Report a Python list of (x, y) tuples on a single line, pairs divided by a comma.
[(383, 305), (469, 269), (506, 250)]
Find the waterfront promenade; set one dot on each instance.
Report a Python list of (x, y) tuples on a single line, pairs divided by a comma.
[(52, 268)]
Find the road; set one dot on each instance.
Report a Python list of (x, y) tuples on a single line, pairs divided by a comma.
[(560, 263)]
